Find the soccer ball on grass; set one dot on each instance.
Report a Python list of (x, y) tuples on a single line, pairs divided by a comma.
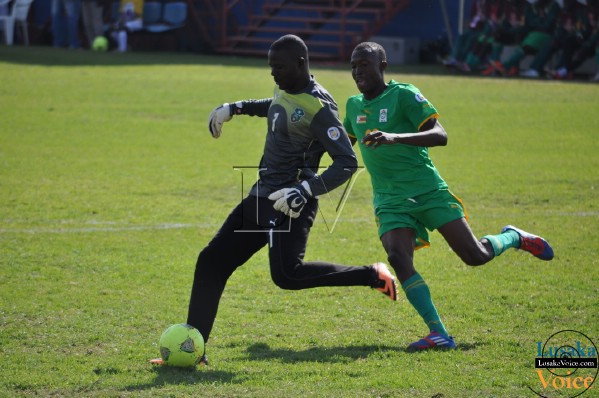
[(181, 345)]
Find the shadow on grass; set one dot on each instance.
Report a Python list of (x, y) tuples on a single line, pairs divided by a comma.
[(461, 347), (166, 375), (263, 352)]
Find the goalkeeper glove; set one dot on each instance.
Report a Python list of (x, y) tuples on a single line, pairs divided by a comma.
[(291, 200), (222, 114)]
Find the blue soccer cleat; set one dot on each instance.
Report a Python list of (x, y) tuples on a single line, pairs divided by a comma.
[(434, 340), (533, 244)]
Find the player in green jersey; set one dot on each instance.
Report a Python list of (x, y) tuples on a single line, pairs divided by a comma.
[(302, 124), (394, 124)]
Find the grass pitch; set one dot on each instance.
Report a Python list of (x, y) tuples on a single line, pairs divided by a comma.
[(111, 184)]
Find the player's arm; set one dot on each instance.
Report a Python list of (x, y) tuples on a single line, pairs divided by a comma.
[(335, 140), (330, 132), (431, 133), (226, 111)]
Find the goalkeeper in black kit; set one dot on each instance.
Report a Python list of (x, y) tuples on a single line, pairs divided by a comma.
[(302, 124)]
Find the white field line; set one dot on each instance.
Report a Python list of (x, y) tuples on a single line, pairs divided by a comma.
[(115, 227), (123, 228), (111, 228)]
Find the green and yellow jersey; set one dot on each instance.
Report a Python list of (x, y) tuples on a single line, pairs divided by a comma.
[(405, 171)]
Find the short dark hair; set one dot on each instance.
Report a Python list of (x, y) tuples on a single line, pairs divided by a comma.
[(372, 47), (291, 43)]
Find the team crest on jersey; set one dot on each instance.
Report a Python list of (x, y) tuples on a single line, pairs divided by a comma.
[(361, 119), (333, 133), (297, 115), (383, 115), (420, 97)]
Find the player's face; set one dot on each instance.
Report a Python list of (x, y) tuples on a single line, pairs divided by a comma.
[(287, 70), (367, 71)]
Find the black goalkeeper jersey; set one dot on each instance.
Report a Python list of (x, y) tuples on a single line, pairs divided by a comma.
[(302, 126)]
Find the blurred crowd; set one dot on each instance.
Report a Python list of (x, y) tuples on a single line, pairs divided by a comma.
[(559, 35), (66, 14)]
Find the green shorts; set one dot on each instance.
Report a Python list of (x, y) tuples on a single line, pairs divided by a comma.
[(428, 211)]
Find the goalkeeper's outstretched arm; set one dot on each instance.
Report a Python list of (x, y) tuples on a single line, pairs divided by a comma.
[(252, 107), (226, 111)]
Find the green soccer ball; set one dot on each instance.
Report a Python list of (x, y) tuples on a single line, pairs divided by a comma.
[(181, 345), (100, 44)]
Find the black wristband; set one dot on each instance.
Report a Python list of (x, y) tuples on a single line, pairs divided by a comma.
[(235, 108), (251, 107)]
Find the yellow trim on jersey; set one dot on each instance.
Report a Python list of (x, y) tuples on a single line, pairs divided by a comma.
[(435, 115)]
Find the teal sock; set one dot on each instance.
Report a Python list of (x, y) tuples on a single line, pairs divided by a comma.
[(503, 241), (419, 296)]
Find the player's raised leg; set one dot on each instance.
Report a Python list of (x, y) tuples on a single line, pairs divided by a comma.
[(463, 242), (287, 245), (533, 244), (472, 251)]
